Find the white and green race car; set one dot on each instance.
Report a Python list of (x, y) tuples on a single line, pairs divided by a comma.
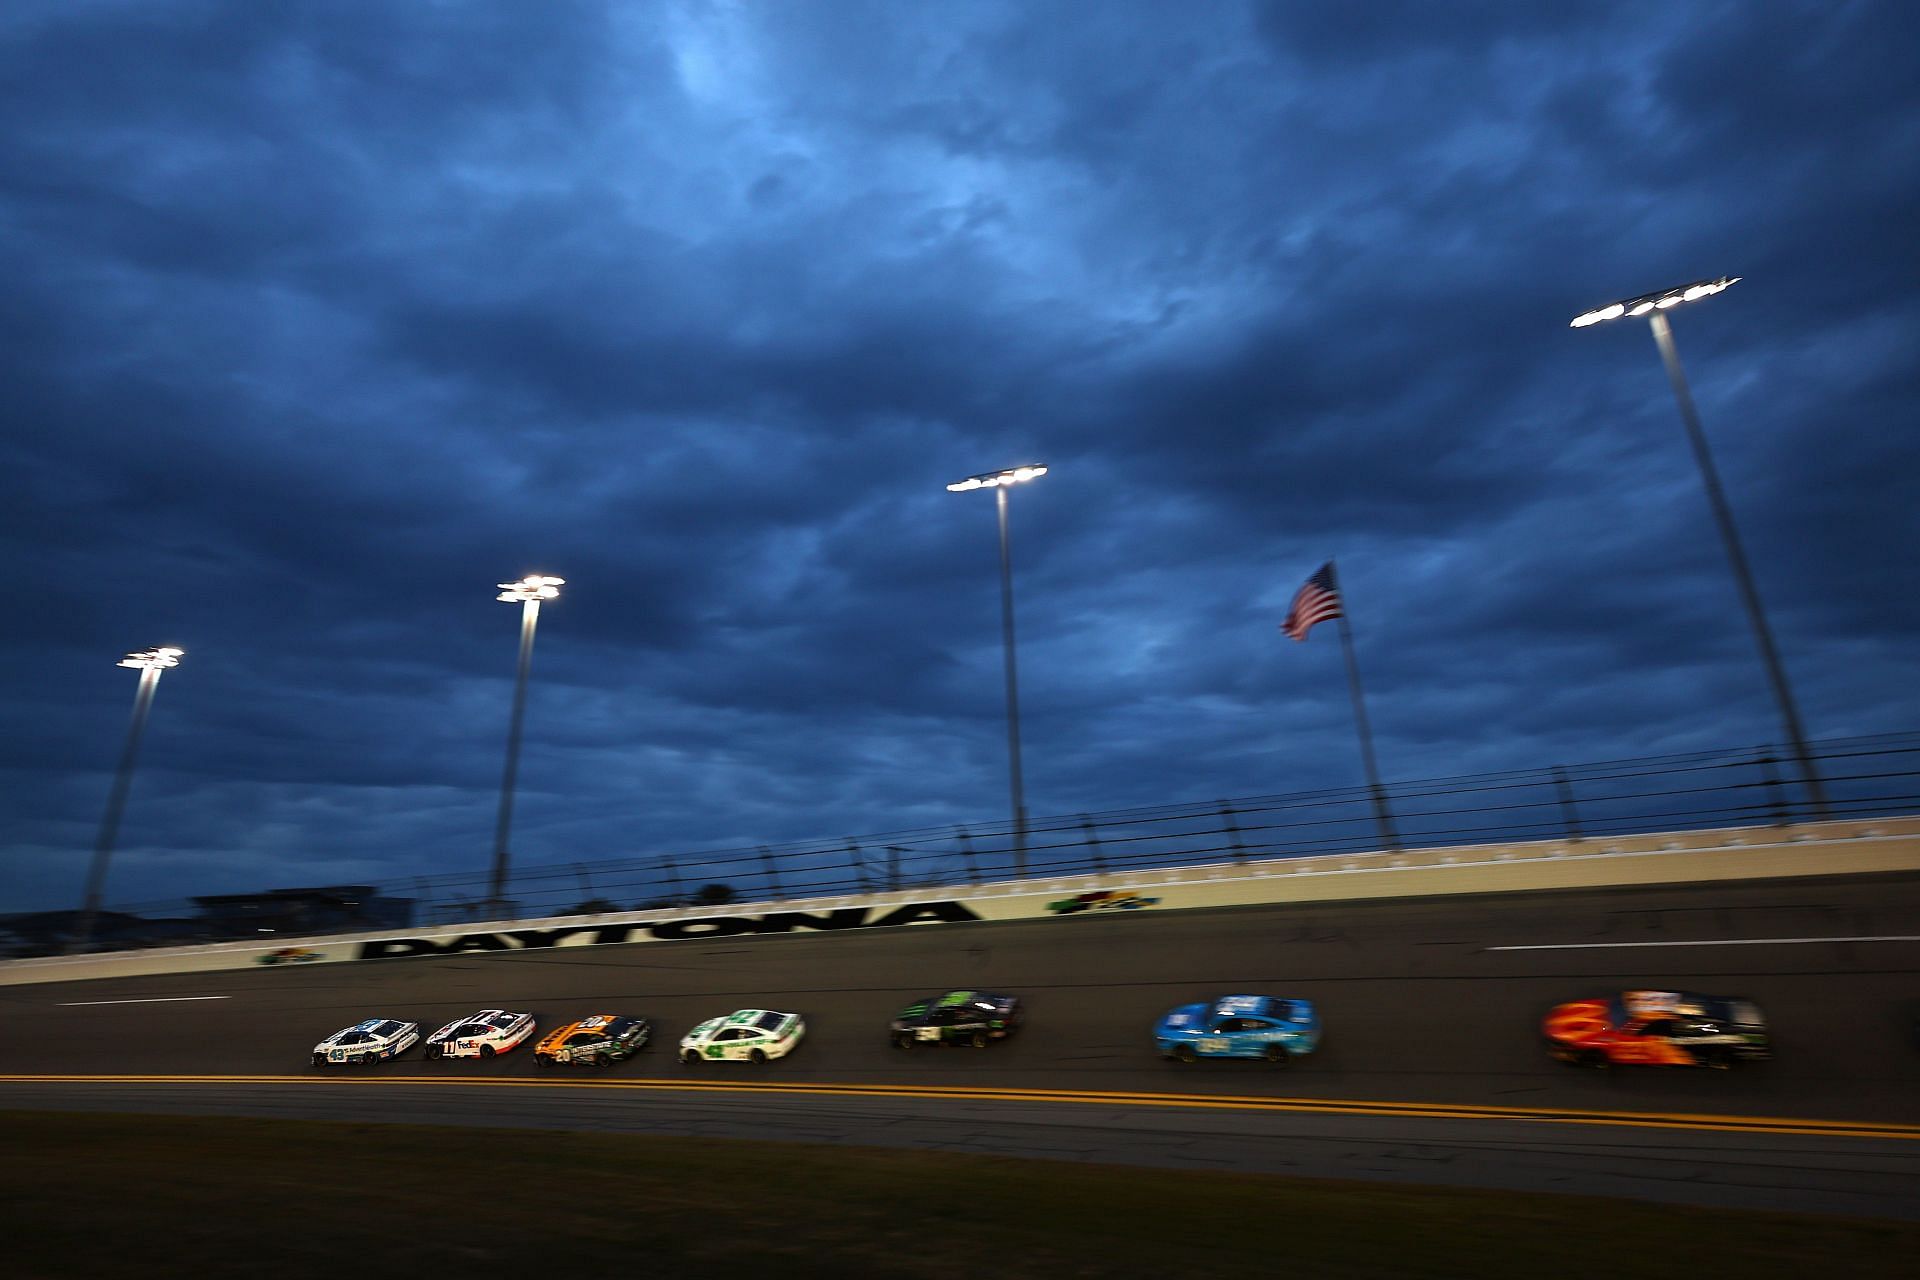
[(751, 1034)]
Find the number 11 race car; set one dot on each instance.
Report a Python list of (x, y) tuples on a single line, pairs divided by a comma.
[(1240, 1027), (1658, 1028), (374, 1040), (480, 1035)]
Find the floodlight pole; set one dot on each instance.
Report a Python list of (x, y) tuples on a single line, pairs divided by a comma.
[(1729, 535), (528, 593), (150, 669), (1013, 691)]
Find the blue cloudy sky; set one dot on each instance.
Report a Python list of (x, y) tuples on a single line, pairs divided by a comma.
[(320, 319)]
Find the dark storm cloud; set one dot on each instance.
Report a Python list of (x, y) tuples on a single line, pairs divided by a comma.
[(321, 318)]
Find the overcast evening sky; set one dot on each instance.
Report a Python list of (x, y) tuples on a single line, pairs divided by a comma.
[(320, 319)]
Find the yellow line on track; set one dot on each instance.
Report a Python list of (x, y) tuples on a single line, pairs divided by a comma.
[(966, 1093)]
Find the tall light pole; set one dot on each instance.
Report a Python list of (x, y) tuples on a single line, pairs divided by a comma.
[(149, 663), (1000, 482), (527, 593), (1654, 306)]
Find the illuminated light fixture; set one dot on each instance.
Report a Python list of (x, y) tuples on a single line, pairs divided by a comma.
[(1664, 300), (995, 479), (153, 659), (531, 589)]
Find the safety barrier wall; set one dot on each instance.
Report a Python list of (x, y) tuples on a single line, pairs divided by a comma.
[(1887, 845)]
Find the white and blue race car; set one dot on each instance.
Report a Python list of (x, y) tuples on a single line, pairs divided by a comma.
[(1240, 1027), (374, 1040), (753, 1034)]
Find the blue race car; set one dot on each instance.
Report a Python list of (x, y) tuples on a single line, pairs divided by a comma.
[(1240, 1027)]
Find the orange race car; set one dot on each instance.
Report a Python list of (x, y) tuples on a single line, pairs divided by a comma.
[(601, 1040), (1658, 1028)]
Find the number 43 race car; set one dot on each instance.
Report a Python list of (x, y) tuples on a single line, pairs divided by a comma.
[(1240, 1027), (374, 1040), (1658, 1028)]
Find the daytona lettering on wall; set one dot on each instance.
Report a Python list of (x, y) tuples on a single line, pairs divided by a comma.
[(670, 930)]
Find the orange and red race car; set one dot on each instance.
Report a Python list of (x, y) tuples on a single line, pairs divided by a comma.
[(1658, 1028)]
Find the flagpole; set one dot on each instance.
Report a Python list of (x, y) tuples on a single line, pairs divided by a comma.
[(1380, 811)]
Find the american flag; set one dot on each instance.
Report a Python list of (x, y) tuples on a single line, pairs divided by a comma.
[(1315, 602)]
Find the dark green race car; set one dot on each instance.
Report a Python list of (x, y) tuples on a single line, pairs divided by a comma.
[(976, 1018)]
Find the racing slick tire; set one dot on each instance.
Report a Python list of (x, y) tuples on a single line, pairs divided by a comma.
[(603, 1060), (1594, 1059), (542, 1060), (690, 1056), (486, 1051), (903, 1042), (758, 1057), (1184, 1053), (1277, 1056), (980, 1040), (319, 1060), (366, 1059)]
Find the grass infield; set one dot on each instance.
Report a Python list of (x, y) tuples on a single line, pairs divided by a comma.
[(121, 1195)]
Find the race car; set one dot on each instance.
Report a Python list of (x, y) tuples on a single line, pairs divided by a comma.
[(1240, 1027), (753, 1034), (976, 1018), (1660, 1028), (602, 1040), (480, 1035), (374, 1040)]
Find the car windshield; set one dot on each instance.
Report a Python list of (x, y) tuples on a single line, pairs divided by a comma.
[(768, 1021)]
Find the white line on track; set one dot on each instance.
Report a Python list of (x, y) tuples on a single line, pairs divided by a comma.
[(74, 1004), (1710, 942)]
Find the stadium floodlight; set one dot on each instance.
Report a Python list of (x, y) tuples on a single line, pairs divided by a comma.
[(528, 593), (1000, 482), (1655, 306), (149, 663), (998, 479)]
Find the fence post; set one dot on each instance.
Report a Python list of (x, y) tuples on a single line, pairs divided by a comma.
[(1093, 844), (1233, 831), (773, 872), (1568, 812), (966, 853), (673, 878), (1776, 800), (858, 862)]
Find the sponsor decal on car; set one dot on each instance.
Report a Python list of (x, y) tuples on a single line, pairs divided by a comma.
[(288, 955)]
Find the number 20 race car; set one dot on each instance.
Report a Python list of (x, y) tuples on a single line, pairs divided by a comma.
[(1659, 1028), (480, 1035), (753, 1034), (374, 1040), (602, 1040), (977, 1018), (1240, 1027)]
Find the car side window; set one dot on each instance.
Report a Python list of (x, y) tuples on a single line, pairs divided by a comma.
[(1658, 1027)]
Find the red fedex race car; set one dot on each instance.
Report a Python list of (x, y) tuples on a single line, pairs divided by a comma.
[(1658, 1028)]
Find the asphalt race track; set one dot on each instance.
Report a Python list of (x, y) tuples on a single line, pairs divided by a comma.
[(1431, 1071)]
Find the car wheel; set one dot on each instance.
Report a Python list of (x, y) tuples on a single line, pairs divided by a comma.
[(1277, 1056), (1184, 1053), (602, 1059), (757, 1056), (690, 1056), (319, 1060), (903, 1042), (1593, 1058), (486, 1051), (365, 1059), (980, 1039)]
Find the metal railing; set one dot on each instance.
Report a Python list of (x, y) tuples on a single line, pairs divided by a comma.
[(1864, 778)]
